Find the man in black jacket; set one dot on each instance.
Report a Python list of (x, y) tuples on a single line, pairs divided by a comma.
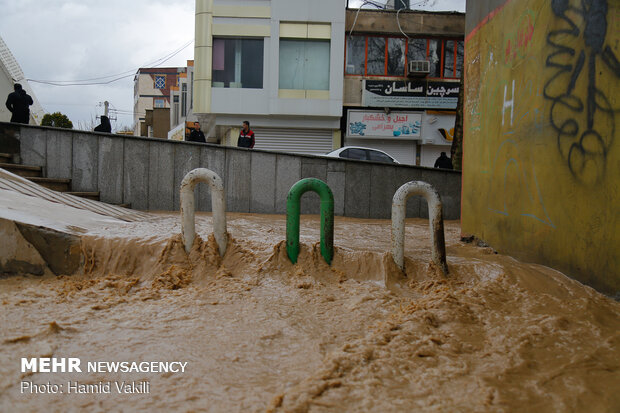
[(105, 125), (196, 135), (443, 162), (18, 103)]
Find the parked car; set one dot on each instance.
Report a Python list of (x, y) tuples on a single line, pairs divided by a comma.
[(364, 154)]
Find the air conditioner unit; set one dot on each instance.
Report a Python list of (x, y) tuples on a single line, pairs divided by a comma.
[(419, 68)]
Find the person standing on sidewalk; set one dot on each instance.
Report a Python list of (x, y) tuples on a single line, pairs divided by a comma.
[(197, 135), (18, 102), (246, 136)]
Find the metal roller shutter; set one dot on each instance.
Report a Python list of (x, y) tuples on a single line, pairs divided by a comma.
[(305, 141)]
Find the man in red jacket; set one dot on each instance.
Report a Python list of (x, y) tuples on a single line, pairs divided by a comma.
[(246, 136)]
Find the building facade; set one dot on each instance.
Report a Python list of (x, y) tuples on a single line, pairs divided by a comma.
[(401, 81), (152, 88), (541, 164), (277, 64)]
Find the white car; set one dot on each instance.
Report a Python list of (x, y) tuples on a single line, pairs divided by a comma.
[(363, 154)]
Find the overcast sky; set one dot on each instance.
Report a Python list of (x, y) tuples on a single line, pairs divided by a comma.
[(62, 40)]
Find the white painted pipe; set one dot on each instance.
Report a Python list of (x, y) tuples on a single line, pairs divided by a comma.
[(218, 202), (399, 204)]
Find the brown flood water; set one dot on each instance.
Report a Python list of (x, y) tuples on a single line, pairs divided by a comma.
[(260, 334)]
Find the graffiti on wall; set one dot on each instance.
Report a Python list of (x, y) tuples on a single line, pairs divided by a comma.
[(581, 113), (541, 171)]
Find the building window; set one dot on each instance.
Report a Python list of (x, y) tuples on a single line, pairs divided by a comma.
[(376, 56), (191, 100), (184, 99), (388, 56), (356, 55), (396, 57), (160, 82), (159, 103), (238, 63), (434, 53), (460, 56), (304, 64), (417, 50)]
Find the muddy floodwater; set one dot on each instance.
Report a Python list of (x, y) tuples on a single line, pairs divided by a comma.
[(260, 334)]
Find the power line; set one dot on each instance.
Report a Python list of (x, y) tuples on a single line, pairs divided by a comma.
[(126, 74)]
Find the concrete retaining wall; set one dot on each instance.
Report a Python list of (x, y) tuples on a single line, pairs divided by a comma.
[(147, 173), (541, 178)]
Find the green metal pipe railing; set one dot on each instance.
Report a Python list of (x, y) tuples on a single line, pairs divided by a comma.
[(293, 211)]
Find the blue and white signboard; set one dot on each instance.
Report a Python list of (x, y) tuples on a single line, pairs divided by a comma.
[(378, 124)]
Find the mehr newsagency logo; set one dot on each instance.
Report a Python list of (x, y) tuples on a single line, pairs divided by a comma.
[(75, 365)]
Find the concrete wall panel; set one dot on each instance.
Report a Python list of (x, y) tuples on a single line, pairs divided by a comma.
[(136, 173), (161, 176), (33, 146), (59, 154), (263, 183), (84, 172), (382, 188), (110, 170), (238, 180), (357, 189)]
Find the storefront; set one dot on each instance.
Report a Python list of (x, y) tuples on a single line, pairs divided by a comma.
[(414, 137)]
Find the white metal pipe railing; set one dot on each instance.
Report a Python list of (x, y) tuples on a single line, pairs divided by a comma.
[(218, 202), (399, 204)]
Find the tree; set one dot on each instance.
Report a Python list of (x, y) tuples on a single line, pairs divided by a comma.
[(457, 141), (57, 120)]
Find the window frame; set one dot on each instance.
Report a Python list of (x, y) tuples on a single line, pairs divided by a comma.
[(306, 42), (240, 39), (442, 53)]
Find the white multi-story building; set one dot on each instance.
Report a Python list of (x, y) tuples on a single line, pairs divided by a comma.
[(277, 64)]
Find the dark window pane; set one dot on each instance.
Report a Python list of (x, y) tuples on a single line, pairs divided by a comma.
[(396, 57), (434, 50), (460, 56), (379, 157), (183, 99), (252, 63), (448, 70), (238, 63), (417, 50), (356, 54), (354, 153), (376, 56)]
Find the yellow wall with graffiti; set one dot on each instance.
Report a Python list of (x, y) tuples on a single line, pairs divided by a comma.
[(541, 177)]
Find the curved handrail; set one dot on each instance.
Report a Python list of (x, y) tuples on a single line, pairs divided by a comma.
[(218, 201), (293, 210), (435, 216)]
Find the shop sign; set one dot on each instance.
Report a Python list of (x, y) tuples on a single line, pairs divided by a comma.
[(380, 124), (420, 94)]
